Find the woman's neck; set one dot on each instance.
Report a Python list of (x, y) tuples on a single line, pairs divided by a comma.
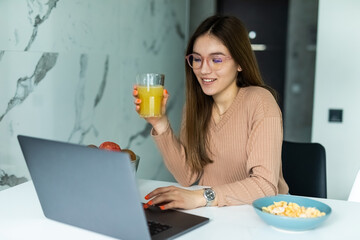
[(223, 101)]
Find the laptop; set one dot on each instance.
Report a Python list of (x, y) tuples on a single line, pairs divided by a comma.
[(96, 190)]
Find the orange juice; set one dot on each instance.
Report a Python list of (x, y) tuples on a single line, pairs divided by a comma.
[(151, 98)]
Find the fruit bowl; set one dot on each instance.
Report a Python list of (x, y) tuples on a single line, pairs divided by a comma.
[(112, 146), (135, 163)]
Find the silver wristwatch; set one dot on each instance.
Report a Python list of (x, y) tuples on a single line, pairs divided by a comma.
[(209, 195)]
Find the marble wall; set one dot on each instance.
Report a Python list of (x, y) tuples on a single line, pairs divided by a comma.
[(67, 69)]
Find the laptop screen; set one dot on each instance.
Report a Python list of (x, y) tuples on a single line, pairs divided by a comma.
[(96, 190)]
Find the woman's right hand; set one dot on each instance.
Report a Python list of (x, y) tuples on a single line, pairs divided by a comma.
[(160, 124)]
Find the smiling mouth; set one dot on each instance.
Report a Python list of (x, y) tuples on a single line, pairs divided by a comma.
[(208, 80)]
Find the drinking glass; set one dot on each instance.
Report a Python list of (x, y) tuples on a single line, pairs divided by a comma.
[(150, 88)]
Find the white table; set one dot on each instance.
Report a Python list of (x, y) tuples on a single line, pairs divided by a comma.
[(21, 218)]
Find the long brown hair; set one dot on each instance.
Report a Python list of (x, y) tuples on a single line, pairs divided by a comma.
[(234, 36)]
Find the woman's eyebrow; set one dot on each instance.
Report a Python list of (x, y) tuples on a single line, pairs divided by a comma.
[(217, 53), (214, 53)]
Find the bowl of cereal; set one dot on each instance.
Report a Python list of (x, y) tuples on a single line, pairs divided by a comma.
[(292, 213)]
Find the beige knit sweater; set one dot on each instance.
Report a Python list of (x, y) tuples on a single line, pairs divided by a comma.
[(246, 150)]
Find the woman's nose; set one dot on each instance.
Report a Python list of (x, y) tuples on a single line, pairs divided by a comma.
[(205, 68)]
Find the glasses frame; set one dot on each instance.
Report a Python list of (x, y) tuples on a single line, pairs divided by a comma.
[(225, 58)]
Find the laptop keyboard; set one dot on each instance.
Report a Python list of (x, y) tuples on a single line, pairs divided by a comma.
[(156, 227)]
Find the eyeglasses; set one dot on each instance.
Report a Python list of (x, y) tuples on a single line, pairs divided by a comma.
[(215, 62)]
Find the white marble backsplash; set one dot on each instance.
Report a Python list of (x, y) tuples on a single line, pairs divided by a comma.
[(67, 69)]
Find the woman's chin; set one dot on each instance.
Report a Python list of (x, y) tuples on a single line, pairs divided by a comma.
[(207, 90), (208, 93)]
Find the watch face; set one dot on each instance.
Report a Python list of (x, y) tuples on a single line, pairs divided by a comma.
[(210, 194)]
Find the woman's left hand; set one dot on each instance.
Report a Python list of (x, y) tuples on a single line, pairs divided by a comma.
[(175, 197)]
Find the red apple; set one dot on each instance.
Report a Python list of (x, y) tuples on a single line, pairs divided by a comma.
[(111, 146)]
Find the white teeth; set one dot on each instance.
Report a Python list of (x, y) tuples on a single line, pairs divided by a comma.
[(208, 80)]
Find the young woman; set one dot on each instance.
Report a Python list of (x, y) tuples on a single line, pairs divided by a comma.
[(231, 134)]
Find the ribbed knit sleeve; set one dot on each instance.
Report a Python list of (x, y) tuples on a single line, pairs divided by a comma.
[(173, 153)]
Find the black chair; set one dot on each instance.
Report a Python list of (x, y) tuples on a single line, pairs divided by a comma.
[(304, 168)]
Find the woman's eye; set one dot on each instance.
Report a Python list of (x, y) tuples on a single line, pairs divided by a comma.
[(196, 59), (217, 60)]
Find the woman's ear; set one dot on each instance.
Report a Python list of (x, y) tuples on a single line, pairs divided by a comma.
[(239, 69)]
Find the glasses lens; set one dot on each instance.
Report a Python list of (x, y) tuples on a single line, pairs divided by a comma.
[(216, 62), (194, 61)]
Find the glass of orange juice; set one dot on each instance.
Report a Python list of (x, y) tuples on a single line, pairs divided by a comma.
[(150, 91)]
